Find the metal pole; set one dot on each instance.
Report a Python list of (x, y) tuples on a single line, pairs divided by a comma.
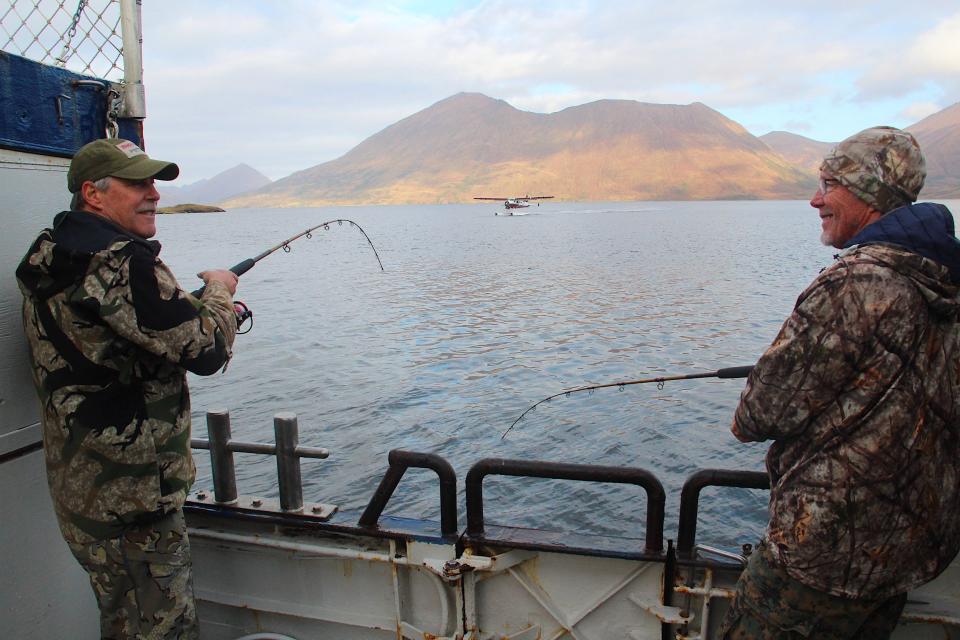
[(288, 462), (134, 100), (221, 458)]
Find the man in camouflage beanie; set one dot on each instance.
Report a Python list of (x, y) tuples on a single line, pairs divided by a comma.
[(111, 336), (859, 396), (882, 166)]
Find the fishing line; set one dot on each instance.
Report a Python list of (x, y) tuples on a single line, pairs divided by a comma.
[(729, 372), (242, 311)]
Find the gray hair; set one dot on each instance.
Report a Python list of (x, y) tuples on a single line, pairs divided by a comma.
[(77, 202)]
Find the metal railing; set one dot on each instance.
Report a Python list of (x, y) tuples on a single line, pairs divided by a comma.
[(287, 451), (690, 499), (656, 497), (399, 462)]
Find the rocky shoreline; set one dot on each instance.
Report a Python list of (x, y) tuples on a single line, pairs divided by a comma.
[(191, 208)]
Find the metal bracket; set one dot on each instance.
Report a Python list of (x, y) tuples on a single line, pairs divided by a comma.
[(253, 503), (499, 562), (664, 613), (720, 553)]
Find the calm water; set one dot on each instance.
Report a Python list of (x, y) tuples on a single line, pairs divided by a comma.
[(477, 317)]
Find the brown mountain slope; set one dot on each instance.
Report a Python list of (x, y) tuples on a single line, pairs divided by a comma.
[(939, 137), (798, 150), (471, 145)]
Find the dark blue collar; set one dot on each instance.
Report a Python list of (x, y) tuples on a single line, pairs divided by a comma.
[(925, 228)]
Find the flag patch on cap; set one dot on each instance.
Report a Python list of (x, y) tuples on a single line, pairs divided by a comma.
[(130, 149)]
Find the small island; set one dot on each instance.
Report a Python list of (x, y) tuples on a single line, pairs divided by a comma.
[(190, 208)]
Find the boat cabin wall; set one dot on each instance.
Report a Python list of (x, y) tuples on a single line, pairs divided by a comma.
[(47, 115), (45, 594)]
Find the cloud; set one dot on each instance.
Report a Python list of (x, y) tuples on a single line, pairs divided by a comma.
[(931, 56), (919, 110), (284, 86)]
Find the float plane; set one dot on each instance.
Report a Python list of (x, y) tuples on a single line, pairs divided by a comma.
[(515, 203)]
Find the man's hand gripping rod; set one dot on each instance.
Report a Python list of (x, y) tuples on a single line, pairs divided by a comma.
[(729, 372), (242, 311)]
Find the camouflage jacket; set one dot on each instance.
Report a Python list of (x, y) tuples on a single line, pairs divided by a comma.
[(859, 393), (111, 337)]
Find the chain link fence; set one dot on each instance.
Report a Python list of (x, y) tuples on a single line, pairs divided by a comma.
[(80, 35)]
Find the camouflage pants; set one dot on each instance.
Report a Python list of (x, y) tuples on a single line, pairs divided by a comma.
[(143, 581), (770, 605)]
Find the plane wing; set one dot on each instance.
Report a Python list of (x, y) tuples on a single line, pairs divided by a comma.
[(518, 199)]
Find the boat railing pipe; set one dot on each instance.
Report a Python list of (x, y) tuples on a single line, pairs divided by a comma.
[(656, 496), (690, 498), (399, 462), (287, 450)]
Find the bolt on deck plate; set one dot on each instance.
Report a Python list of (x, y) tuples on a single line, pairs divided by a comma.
[(264, 505)]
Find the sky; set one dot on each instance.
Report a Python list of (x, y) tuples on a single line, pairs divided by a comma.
[(284, 85)]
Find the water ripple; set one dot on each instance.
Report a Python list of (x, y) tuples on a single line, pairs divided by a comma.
[(477, 317)]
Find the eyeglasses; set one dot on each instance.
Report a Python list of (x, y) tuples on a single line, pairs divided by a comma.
[(828, 184)]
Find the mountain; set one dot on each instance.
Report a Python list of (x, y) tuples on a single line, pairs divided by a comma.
[(471, 145), (939, 137), (798, 150), (239, 179)]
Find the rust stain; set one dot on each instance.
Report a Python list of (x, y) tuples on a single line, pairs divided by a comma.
[(426, 635), (531, 568)]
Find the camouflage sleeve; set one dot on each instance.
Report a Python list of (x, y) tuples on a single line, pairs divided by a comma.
[(217, 301), (814, 356), (145, 305)]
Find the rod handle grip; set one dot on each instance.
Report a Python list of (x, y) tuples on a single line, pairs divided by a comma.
[(240, 268), (735, 372)]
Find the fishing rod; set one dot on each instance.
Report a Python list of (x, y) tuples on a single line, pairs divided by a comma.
[(243, 312), (728, 372)]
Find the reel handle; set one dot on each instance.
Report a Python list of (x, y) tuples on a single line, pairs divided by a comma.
[(243, 314)]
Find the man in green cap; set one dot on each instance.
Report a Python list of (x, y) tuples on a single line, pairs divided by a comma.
[(111, 337), (860, 395)]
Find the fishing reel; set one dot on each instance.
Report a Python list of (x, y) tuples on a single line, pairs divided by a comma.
[(244, 317)]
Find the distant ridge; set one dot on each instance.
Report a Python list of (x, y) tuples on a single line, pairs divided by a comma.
[(225, 184), (939, 137), (798, 150), (470, 144)]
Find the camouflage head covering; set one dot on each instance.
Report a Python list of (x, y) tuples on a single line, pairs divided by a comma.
[(882, 166)]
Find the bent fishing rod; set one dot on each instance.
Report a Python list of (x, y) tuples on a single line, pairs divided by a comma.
[(728, 372), (243, 312)]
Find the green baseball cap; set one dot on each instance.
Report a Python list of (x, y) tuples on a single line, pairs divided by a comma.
[(117, 158)]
